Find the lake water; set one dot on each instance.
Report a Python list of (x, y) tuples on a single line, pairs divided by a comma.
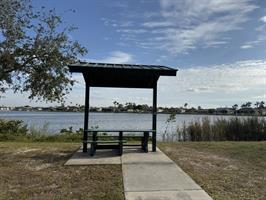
[(58, 120)]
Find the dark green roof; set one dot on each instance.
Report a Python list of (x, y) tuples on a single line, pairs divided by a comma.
[(121, 75), (84, 65)]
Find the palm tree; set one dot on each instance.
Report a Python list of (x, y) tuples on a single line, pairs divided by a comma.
[(115, 104), (257, 104), (244, 105), (248, 104), (235, 108)]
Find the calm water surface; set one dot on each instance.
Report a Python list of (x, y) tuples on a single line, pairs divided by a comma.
[(58, 120)]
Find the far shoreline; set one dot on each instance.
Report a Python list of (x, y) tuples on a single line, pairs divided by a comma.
[(166, 113)]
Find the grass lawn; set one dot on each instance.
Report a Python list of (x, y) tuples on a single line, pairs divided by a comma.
[(37, 171), (226, 170)]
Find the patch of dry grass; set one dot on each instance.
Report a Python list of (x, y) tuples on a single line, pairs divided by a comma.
[(37, 171), (226, 170)]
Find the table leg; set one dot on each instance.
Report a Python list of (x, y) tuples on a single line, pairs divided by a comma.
[(92, 149), (120, 143), (142, 142), (146, 140), (94, 143)]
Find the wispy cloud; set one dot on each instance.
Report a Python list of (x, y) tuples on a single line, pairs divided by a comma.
[(159, 24), (180, 26), (260, 37), (202, 23), (115, 57), (246, 46), (263, 19)]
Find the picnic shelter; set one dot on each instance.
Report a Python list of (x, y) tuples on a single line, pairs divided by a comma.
[(120, 76)]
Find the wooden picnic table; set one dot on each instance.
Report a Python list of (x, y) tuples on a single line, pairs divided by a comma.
[(118, 143)]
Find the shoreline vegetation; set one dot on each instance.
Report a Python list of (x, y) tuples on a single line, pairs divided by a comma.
[(246, 109), (233, 129), (137, 112)]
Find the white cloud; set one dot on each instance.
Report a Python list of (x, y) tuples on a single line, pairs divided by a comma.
[(115, 57), (246, 46), (157, 24), (238, 76), (260, 97), (263, 19)]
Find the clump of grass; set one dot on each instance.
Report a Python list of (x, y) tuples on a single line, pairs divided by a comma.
[(233, 129)]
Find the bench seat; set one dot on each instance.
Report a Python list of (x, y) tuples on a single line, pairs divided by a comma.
[(115, 142), (95, 144)]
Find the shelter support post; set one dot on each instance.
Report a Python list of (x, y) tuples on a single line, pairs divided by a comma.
[(154, 117), (86, 118)]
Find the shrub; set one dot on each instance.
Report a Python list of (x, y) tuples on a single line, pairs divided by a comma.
[(16, 130), (12, 129)]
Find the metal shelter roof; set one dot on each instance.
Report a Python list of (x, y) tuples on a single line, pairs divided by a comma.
[(121, 75)]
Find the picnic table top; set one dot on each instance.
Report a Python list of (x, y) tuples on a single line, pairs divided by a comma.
[(121, 130)]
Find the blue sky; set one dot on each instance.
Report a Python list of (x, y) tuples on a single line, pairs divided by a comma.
[(219, 47)]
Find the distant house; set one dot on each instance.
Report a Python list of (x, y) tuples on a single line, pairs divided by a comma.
[(95, 109), (182, 110), (160, 110), (107, 110), (260, 111), (263, 111), (225, 111), (99, 109), (202, 111), (247, 111), (4, 108)]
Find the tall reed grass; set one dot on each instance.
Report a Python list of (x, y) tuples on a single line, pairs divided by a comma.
[(233, 129)]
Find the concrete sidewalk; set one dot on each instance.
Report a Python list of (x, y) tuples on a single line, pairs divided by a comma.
[(102, 157), (146, 176), (154, 176)]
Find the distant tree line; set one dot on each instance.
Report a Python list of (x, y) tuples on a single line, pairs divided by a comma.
[(258, 108)]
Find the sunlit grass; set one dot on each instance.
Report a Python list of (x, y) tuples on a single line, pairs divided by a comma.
[(226, 170)]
